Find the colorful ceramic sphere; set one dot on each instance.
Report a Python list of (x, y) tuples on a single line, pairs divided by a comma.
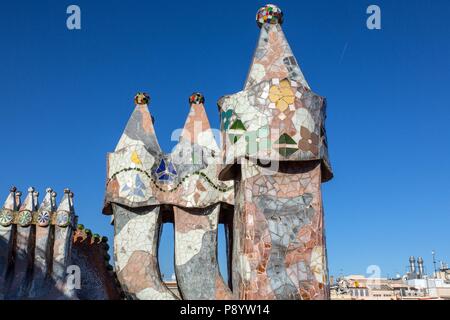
[(141, 98), (25, 218), (196, 98), (62, 218), (269, 14), (6, 217), (43, 218)]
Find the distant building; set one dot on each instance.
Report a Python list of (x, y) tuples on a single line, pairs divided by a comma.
[(415, 285)]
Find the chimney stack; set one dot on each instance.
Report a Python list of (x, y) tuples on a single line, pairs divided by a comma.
[(420, 266), (412, 265)]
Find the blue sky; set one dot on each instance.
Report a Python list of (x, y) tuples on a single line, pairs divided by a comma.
[(65, 97)]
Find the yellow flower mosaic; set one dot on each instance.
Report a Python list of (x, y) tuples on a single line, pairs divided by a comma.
[(282, 95)]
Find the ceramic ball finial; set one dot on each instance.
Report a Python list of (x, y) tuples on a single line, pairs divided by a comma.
[(270, 13)]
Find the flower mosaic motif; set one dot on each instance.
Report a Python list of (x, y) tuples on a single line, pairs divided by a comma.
[(282, 95), (62, 218), (25, 218), (309, 141), (43, 218), (165, 171), (6, 217), (134, 187)]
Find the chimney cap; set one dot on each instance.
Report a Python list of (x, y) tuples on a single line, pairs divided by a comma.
[(270, 13), (141, 98), (196, 98)]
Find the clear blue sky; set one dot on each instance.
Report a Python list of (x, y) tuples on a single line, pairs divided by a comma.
[(65, 97)]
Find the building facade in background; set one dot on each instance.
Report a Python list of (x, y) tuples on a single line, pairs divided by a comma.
[(414, 285)]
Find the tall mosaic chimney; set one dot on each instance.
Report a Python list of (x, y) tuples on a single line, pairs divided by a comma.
[(275, 149)]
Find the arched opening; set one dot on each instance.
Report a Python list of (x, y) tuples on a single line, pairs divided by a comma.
[(166, 250), (222, 254), (225, 243)]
